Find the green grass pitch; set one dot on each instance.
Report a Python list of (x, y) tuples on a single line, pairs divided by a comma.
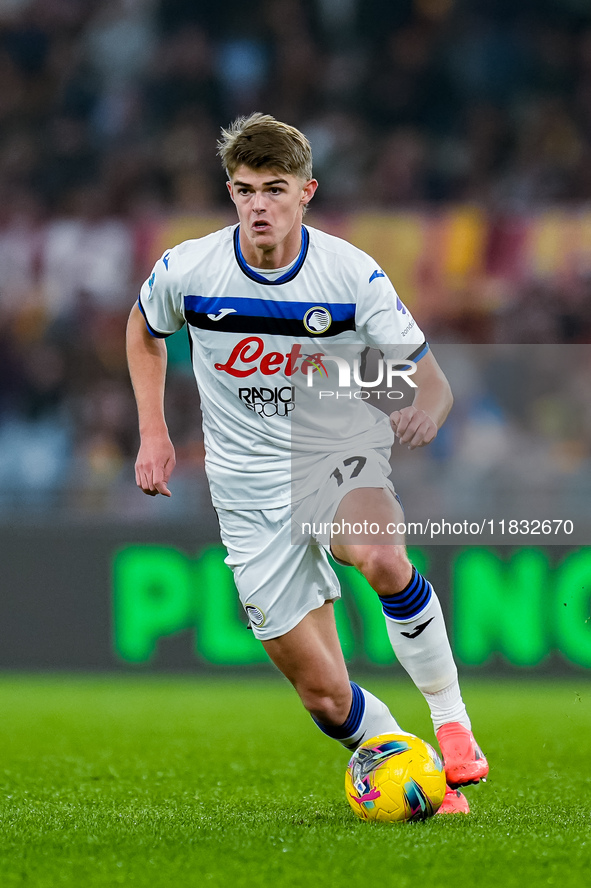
[(157, 781)]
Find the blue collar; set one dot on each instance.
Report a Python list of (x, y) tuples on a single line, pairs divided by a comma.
[(260, 278)]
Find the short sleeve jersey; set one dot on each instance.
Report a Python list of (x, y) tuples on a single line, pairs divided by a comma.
[(253, 340)]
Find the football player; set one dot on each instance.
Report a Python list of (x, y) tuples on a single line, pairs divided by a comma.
[(265, 301)]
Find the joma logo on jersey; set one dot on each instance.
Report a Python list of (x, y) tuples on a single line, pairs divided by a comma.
[(269, 401), (221, 314)]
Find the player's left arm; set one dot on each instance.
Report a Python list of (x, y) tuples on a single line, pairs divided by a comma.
[(419, 423)]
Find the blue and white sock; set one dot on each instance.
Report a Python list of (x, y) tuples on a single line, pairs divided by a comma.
[(417, 633), (367, 718)]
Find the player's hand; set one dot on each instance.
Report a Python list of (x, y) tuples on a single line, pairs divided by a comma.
[(413, 427), (154, 465)]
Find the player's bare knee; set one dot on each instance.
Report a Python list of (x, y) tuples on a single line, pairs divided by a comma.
[(386, 568)]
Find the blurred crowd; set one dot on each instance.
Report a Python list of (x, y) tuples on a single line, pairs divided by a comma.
[(109, 114), (116, 104)]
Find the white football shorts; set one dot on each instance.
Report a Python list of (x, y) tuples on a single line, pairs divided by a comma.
[(278, 583), (335, 477), (281, 571)]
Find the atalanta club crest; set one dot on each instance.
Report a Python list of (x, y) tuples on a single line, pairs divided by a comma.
[(255, 615), (317, 319)]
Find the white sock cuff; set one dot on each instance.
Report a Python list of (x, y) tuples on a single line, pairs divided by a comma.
[(377, 719)]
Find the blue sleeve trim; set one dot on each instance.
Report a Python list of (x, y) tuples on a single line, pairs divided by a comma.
[(155, 333), (419, 353)]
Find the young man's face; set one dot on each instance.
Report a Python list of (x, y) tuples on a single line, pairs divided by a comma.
[(270, 205)]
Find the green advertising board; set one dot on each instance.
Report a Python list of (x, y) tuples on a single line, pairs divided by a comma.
[(516, 605)]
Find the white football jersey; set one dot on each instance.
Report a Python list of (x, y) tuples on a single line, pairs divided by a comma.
[(254, 337)]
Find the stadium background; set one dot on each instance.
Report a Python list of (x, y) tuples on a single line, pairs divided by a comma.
[(451, 141)]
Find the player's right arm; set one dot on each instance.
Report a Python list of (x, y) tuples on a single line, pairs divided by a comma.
[(146, 357)]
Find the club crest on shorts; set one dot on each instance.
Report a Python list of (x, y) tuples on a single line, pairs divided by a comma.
[(317, 319), (255, 615)]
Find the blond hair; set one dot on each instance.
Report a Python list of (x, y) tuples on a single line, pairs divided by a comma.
[(261, 142)]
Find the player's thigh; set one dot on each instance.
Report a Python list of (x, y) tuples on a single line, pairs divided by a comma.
[(367, 516), (350, 480)]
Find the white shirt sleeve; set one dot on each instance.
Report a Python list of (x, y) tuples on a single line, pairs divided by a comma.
[(161, 298), (382, 319)]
